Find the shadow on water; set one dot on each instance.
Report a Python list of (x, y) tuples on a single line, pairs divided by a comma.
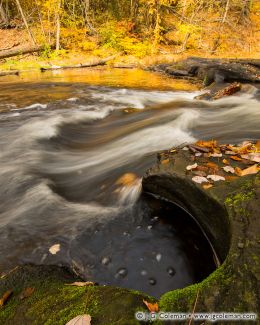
[(155, 247)]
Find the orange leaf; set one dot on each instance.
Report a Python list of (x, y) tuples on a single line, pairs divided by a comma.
[(207, 144), (165, 161), (236, 158), (230, 178), (5, 297), (152, 307), (225, 161), (212, 165), (207, 186), (250, 170), (127, 179), (238, 171)]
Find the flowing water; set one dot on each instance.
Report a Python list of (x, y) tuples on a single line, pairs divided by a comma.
[(73, 148)]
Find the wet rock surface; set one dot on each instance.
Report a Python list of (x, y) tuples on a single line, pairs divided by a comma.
[(228, 212), (213, 70)]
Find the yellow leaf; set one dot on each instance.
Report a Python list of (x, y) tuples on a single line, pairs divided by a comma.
[(152, 307)]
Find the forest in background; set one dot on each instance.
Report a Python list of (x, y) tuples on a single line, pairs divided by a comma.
[(136, 28)]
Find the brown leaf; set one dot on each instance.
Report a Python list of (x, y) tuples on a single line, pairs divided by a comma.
[(250, 170), (27, 292), (207, 186), (230, 178), (212, 165), (202, 168), (236, 158), (153, 307), (80, 320), (5, 297), (81, 284)]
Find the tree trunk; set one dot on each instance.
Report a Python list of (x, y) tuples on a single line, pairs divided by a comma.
[(3, 16), (94, 63), (7, 73), (25, 22), (58, 26), (8, 54), (226, 11)]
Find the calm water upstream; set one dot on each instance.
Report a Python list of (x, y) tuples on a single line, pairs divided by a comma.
[(66, 140)]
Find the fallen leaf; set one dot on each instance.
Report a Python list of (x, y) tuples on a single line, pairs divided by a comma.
[(207, 186), (190, 167), (229, 152), (216, 178), (5, 297), (216, 155), (199, 173), (250, 170), (255, 157), (202, 168), (238, 171), (230, 178), (199, 179), (80, 320), (27, 292), (207, 144), (236, 158), (127, 179), (153, 307), (225, 161), (165, 161), (81, 284), (257, 146), (54, 249), (212, 165), (229, 169)]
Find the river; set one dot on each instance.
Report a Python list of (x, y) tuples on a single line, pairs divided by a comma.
[(73, 148)]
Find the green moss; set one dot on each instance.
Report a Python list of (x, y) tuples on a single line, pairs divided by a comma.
[(183, 299)]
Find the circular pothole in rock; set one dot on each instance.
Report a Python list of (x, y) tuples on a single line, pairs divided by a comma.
[(153, 247)]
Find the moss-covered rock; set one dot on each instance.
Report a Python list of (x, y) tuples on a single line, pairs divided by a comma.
[(55, 302), (229, 214)]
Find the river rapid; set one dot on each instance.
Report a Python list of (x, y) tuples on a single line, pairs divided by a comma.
[(70, 141)]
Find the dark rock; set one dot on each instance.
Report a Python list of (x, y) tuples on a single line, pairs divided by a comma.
[(228, 213), (213, 70)]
